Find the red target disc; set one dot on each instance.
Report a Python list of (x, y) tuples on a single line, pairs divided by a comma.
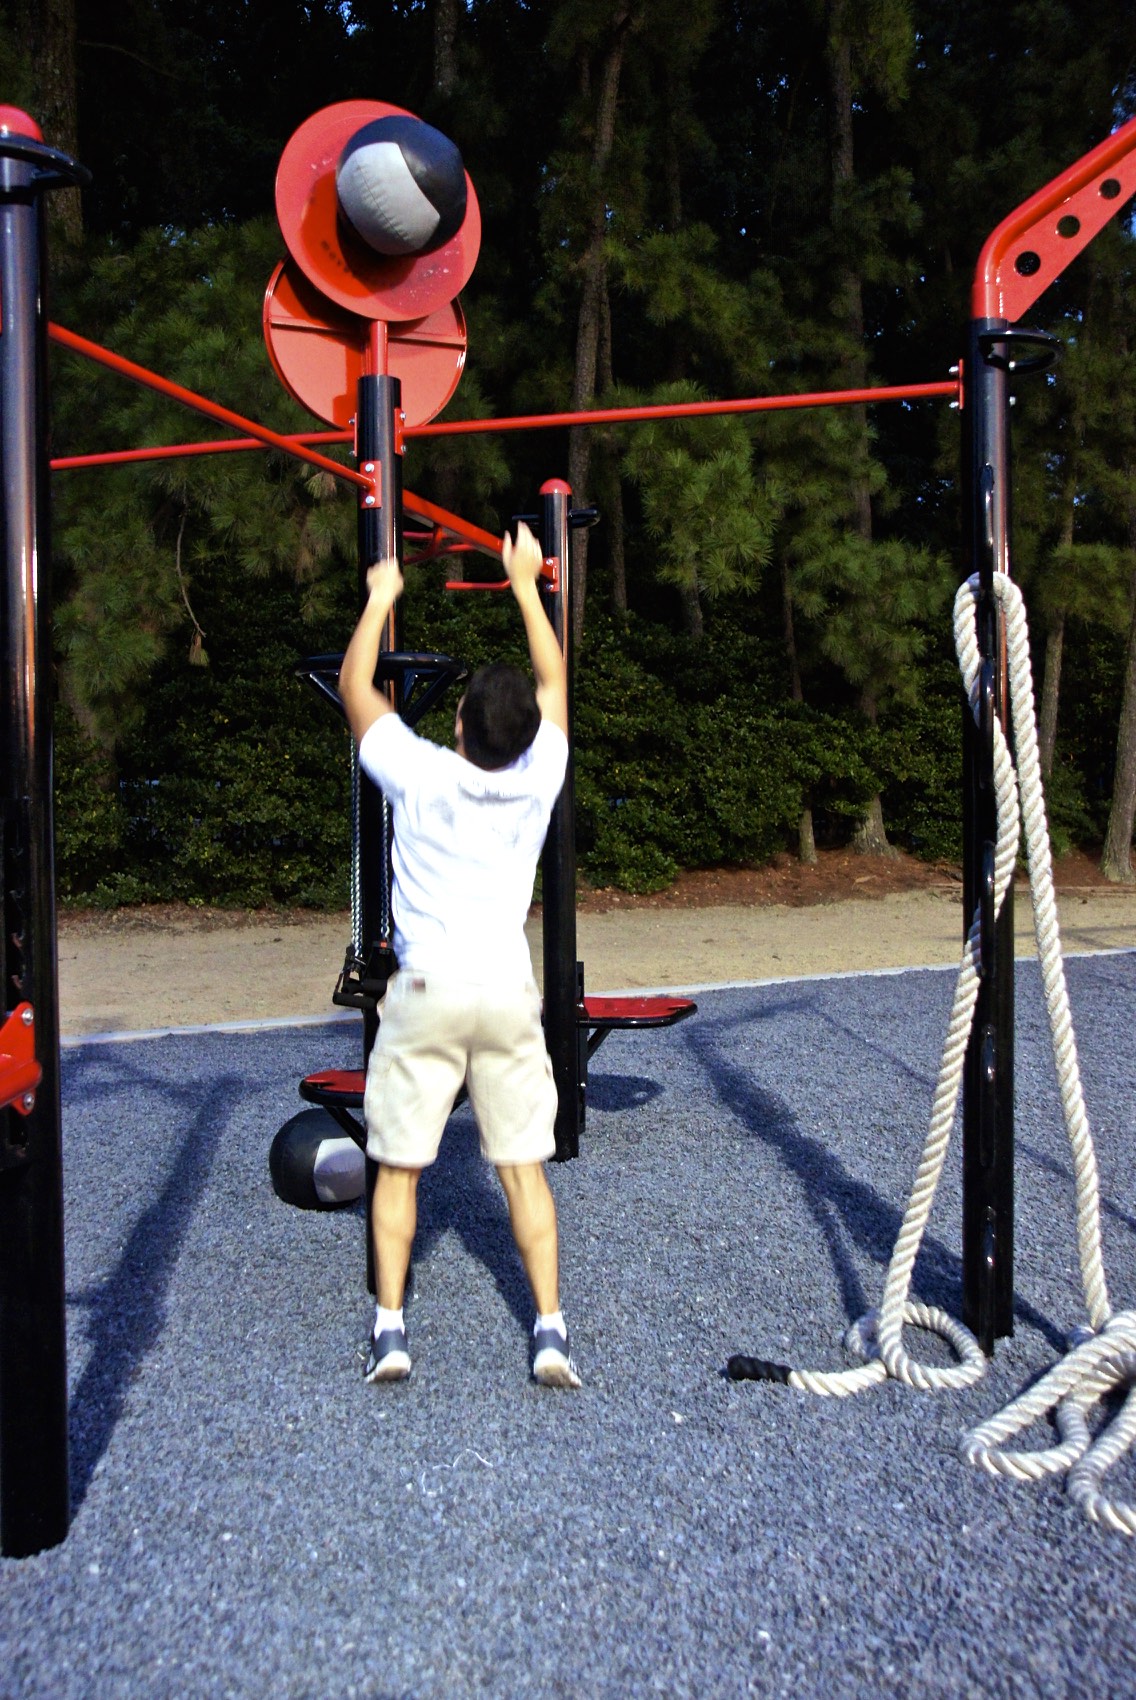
[(318, 351), (328, 252)]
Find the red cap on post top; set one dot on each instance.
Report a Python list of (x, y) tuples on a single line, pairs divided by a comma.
[(17, 123)]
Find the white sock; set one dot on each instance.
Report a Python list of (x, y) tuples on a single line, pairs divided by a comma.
[(554, 1319), (385, 1319)]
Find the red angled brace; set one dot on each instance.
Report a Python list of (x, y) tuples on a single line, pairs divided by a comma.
[(416, 507), (201, 404), (20, 1073), (1031, 247)]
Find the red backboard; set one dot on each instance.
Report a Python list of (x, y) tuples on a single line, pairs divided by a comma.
[(328, 252), (319, 351)]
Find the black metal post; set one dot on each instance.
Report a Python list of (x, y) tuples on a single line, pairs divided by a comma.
[(379, 401), (34, 1466), (988, 1078), (563, 975)]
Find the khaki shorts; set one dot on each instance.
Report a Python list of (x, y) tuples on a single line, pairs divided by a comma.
[(436, 1034)]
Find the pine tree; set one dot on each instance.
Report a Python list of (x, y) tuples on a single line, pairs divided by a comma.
[(130, 543)]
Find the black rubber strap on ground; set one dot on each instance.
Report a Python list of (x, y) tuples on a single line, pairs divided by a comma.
[(742, 1368)]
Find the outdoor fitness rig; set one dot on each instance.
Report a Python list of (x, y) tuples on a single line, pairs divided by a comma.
[(370, 346)]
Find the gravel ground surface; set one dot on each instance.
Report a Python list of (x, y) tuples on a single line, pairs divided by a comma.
[(250, 1520)]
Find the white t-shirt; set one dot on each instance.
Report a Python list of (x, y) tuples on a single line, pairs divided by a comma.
[(466, 844)]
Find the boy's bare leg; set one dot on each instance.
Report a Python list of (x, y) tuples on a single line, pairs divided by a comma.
[(532, 1214), (394, 1217)]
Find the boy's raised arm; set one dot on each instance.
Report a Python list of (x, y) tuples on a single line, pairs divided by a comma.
[(523, 562), (363, 702)]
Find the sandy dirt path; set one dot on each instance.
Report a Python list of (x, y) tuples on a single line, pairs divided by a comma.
[(127, 972)]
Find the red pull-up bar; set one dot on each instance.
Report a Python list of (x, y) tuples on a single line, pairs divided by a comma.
[(465, 427), (691, 409)]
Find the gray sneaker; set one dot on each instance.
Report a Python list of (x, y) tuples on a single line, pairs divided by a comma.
[(388, 1358), (552, 1359)]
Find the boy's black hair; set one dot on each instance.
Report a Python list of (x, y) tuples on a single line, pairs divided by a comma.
[(499, 716)]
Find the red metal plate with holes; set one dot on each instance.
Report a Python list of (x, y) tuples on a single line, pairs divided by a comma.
[(319, 350), (348, 272), (1031, 247)]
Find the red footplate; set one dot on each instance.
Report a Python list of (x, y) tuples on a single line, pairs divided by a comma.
[(343, 1087), (634, 1012), (335, 1086)]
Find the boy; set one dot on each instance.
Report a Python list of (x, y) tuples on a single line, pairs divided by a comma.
[(468, 829)]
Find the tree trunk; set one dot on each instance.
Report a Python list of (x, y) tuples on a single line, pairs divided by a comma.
[(692, 612), (1050, 693), (611, 484), (445, 46), (806, 838), (58, 114), (849, 286), (617, 558), (1055, 635), (593, 270), (869, 838), (1116, 862)]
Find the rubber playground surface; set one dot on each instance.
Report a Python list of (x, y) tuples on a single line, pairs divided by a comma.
[(250, 1520)]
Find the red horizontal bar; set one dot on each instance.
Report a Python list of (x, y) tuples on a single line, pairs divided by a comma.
[(536, 421), (172, 451), (690, 409), (213, 410)]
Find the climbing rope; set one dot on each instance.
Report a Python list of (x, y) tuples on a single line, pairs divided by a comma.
[(1102, 1357)]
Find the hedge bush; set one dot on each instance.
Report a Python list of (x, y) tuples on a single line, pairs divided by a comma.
[(234, 788)]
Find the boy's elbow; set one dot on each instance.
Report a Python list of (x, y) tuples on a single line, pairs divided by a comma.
[(363, 705)]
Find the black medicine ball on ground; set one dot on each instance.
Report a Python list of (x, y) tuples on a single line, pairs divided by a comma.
[(401, 186), (314, 1164)]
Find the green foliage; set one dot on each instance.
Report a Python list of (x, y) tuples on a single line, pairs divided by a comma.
[(233, 787), (747, 252), (1068, 810), (686, 766), (711, 519), (17, 74), (1081, 790), (922, 744), (132, 545), (91, 821), (881, 601)]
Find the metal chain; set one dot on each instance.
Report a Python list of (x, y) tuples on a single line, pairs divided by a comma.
[(356, 861)]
